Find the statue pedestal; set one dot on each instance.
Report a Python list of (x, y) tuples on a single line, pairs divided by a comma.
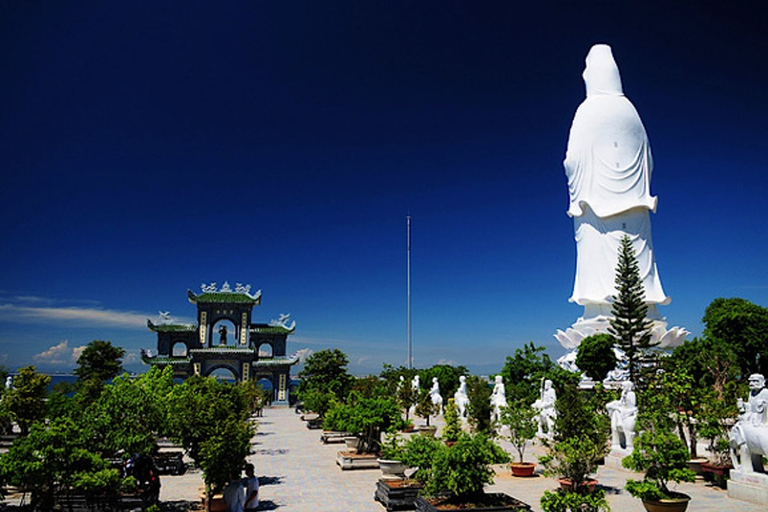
[(751, 487)]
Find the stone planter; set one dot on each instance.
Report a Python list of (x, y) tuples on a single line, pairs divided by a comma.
[(351, 460), (428, 430), (522, 469), (695, 465), (494, 502), (678, 503), (396, 494), (391, 469)]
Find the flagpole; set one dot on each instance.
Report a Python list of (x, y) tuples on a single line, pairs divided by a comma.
[(410, 337)]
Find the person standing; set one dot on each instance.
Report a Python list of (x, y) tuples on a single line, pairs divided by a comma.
[(251, 488)]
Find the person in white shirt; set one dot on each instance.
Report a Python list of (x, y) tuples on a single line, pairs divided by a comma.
[(251, 488)]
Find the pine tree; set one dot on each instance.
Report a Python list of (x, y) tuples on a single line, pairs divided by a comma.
[(629, 324)]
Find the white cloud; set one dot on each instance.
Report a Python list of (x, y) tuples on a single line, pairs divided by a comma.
[(60, 354), (101, 317)]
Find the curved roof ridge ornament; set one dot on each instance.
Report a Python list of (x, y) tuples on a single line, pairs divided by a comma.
[(282, 321)]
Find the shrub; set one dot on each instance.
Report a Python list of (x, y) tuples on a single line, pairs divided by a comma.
[(452, 427), (464, 468)]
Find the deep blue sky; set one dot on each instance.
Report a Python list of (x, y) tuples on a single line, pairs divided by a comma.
[(148, 147)]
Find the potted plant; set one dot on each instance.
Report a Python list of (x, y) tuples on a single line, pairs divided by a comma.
[(660, 454), (714, 427), (452, 427), (519, 419), (455, 477), (580, 440), (391, 458), (367, 418), (417, 452), (425, 409)]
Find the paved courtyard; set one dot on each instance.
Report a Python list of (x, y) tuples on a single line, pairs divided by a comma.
[(299, 473)]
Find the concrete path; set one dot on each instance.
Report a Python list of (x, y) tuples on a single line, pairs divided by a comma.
[(299, 473)]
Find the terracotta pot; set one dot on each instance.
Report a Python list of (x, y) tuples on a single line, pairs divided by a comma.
[(678, 503), (522, 469), (567, 485)]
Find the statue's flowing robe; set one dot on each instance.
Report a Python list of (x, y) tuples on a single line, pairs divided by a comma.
[(608, 164)]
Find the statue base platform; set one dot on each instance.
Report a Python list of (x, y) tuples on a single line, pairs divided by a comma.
[(751, 487)]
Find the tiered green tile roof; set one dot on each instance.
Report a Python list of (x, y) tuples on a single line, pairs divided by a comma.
[(224, 298)]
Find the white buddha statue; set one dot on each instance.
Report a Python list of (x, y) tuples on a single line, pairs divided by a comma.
[(545, 409), (608, 165)]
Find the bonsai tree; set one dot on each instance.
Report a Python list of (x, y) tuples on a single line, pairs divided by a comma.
[(713, 426), (368, 418), (452, 427), (458, 474), (580, 440), (519, 419), (479, 410), (424, 407), (658, 451)]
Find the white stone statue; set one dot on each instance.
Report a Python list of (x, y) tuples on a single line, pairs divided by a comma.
[(434, 394), (416, 387), (498, 398), (623, 414), (9, 382), (545, 409), (749, 436), (461, 397), (608, 165)]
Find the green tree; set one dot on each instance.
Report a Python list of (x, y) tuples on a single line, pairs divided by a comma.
[(99, 363), (365, 417), (326, 371), (580, 438), (479, 409), (658, 452), (629, 324), (519, 418), (464, 469), (525, 371), (452, 427), (595, 356), (742, 326), (55, 459), (210, 420), (25, 403), (100, 360), (129, 413)]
